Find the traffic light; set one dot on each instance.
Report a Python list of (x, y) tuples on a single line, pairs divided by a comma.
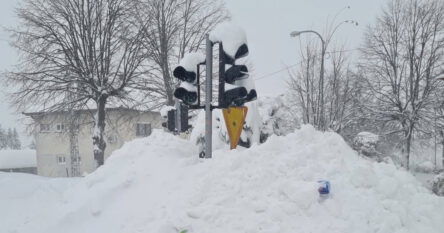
[(184, 117), (187, 93), (171, 119), (188, 73), (170, 124), (237, 93)]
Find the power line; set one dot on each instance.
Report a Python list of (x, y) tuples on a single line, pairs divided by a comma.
[(278, 71), (293, 65)]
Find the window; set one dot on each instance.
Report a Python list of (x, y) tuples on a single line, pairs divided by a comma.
[(61, 159), (45, 127), (60, 127), (77, 160), (143, 129)]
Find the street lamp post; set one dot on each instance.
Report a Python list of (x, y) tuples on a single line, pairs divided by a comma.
[(321, 120)]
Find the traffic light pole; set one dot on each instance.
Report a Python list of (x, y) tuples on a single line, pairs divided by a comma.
[(208, 97), (221, 76)]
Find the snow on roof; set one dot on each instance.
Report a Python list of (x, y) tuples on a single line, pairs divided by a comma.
[(37, 113), (231, 36), (165, 109), (17, 158)]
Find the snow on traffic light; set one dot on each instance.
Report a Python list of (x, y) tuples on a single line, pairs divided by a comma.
[(187, 72), (235, 86)]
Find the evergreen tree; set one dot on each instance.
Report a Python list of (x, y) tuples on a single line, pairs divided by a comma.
[(2, 139), (15, 140), (8, 140)]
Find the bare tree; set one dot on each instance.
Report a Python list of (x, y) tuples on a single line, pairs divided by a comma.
[(177, 27), (76, 54), (340, 92), (401, 59), (304, 83), (338, 89)]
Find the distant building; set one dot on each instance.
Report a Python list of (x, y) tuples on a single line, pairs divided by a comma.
[(23, 161), (63, 140)]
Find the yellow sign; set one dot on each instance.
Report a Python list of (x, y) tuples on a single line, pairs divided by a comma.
[(234, 120)]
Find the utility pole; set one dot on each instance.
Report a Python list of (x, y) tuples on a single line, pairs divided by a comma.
[(208, 97), (321, 87)]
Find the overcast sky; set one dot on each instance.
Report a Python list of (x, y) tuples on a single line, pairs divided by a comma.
[(267, 23)]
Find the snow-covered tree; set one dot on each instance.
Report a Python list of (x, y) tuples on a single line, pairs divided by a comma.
[(15, 140), (366, 143), (333, 107), (9, 139), (3, 139), (175, 27), (279, 116), (88, 47), (402, 58)]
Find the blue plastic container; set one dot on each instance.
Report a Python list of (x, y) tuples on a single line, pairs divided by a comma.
[(324, 187)]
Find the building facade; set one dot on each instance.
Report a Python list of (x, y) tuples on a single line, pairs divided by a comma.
[(63, 140)]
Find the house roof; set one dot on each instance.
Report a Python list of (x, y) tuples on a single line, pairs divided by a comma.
[(10, 159), (32, 114)]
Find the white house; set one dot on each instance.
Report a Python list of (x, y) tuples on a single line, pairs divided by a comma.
[(63, 140)]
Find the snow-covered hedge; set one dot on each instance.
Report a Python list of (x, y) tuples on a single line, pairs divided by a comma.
[(425, 167), (366, 143), (278, 116), (438, 184)]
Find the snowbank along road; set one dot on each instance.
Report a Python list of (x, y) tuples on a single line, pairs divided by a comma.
[(157, 184)]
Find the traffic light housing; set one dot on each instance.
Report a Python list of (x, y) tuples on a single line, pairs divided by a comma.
[(187, 93), (237, 94), (170, 123), (188, 73), (171, 119)]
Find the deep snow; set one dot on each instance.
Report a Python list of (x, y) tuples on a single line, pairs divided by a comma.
[(157, 184)]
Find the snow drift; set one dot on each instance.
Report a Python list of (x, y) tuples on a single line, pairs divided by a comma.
[(158, 184)]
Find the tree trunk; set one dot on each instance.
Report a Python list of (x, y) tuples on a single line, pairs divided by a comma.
[(408, 147), (442, 151), (99, 129), (74, 148), (168, 87)]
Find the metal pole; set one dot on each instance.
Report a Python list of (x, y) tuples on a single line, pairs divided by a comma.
[(208, 97), (222, 103), (322, 118), (198, 85), (435, 138)]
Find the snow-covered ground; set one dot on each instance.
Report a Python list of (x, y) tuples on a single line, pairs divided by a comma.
[(158, 184)]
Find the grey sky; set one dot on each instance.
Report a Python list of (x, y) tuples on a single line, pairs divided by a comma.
[(267, 23)]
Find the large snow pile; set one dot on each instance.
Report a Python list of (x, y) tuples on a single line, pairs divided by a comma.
[(157, 184), (17, 159)]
